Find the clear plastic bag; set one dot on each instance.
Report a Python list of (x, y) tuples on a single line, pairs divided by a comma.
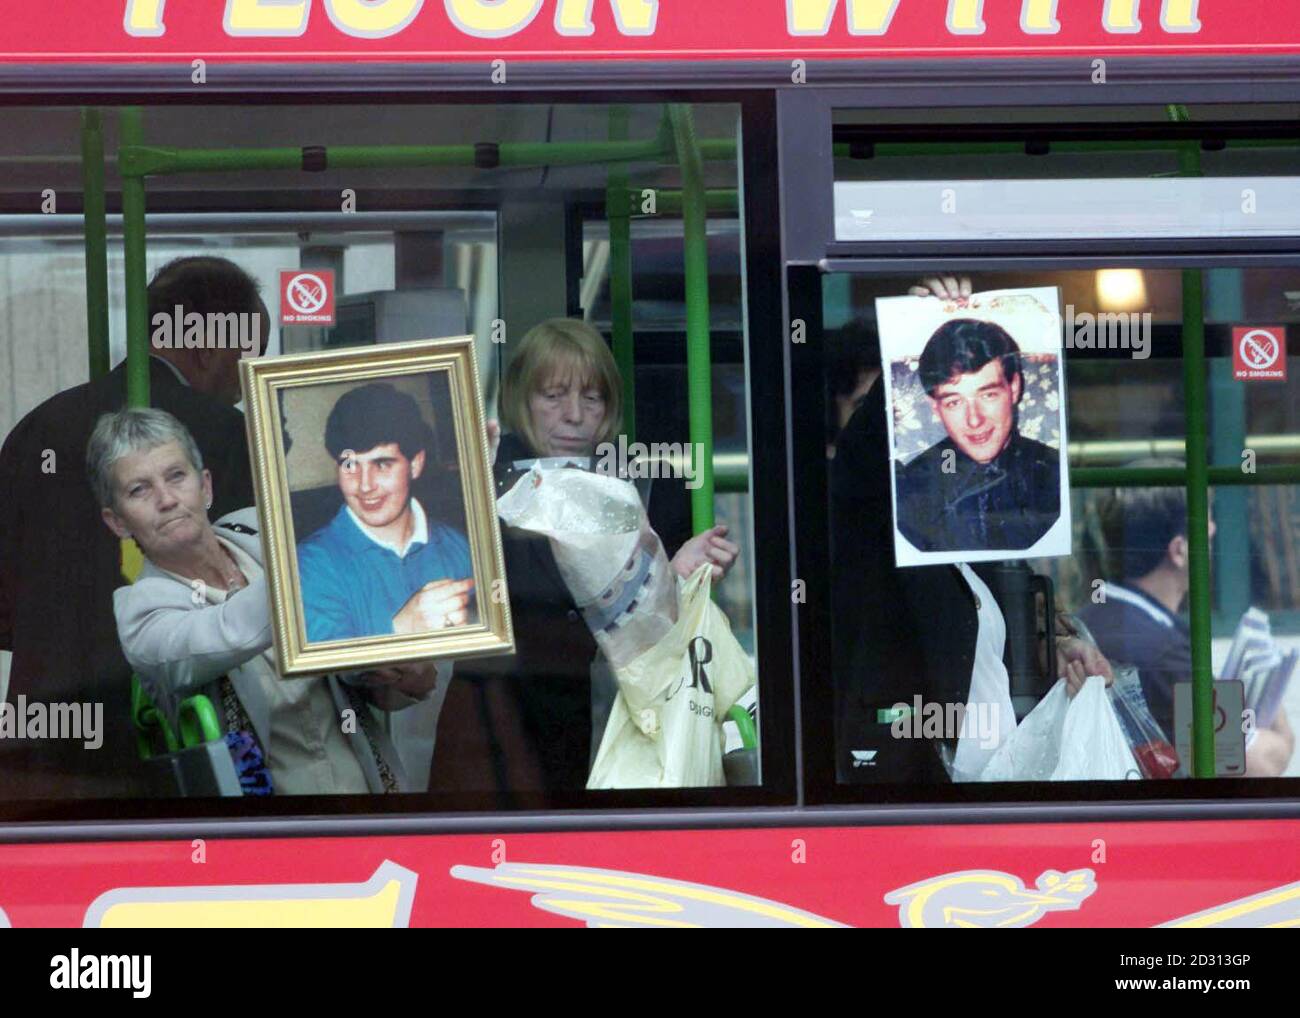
[(612, 562), (1155, 755)]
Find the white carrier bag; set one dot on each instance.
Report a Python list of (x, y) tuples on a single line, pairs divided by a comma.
[(1066, 740), (665, 729), (679, 668)]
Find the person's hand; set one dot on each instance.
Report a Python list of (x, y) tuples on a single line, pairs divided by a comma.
[(943, 287), (709, 547), (494, 440), (415, 679), (440, 604), (1077, 659)]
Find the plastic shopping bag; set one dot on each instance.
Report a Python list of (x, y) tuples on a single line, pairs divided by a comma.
[(612, 562), (665, 729), (1155, 756), (1066, 740)]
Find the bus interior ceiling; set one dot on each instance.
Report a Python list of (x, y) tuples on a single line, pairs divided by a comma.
[(412, 226)]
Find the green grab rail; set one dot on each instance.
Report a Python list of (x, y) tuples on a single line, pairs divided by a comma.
[(1195, 416), (136, 159), (699, 373), (669, 201), (148, 719), (618, 216), (745, 723), (198, 721)]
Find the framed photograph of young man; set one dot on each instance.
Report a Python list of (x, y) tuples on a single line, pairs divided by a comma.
[(374, 494), (976, 418)]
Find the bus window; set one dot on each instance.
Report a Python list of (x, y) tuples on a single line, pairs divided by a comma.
[(557, 237), (923, 698)]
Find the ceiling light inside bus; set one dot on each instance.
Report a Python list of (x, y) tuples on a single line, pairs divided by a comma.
[(1121, 289)]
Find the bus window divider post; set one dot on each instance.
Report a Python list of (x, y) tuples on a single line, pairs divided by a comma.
[(95, 236), (133, 242), (1195, 402)]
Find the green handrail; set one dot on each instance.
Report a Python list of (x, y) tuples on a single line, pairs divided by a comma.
[(198, 721), (748, 730), (699, 373), (1198, 497), (196, 718), (139, 160), (94, 210), (669, 202), (147, 719), (617, 214)]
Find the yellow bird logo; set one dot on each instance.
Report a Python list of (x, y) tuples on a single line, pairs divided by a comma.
[(988, 898)]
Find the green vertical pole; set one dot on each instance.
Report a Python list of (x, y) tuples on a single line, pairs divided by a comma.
[(1198, 495), (618, 215), (95, 229), (1198, 522), (699, 368), (137, 298)]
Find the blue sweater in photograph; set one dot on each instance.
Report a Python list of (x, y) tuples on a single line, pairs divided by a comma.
[(352, 586)]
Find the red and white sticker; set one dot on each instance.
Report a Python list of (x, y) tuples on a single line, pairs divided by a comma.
[(1259, 352), (306, 298)]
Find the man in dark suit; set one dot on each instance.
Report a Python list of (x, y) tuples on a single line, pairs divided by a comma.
[(59, 566), (985, 486)]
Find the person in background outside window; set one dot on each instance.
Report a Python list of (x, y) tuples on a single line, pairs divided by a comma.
[(852, 367), (1138, 622)]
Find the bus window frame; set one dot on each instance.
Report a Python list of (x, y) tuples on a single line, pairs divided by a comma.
[(812, 505), (763, 351)]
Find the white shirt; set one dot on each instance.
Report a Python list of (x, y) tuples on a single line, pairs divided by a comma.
[(419, 529), (990, 719)]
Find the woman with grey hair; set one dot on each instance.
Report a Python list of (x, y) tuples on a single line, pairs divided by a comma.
[(198, 620)]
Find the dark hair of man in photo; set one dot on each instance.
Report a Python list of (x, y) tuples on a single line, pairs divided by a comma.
[(377, 414), (965, 345)]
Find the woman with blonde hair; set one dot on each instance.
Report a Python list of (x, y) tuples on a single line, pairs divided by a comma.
[(527, 723)]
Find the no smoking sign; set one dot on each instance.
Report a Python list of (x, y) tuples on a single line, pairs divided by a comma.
[(1259, 352), (306, 298)]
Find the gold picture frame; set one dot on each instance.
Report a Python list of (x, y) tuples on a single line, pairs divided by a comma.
[(271, 385)]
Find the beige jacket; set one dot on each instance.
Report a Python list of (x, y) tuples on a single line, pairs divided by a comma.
[(179, 648)]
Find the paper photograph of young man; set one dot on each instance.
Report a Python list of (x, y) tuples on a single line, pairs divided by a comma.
[(977, 426)]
